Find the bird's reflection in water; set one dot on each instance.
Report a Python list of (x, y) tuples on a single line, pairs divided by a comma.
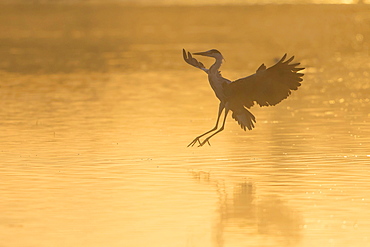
[(243, 215)]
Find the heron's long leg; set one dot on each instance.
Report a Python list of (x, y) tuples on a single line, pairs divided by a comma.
[(220, 109), (218, 131)]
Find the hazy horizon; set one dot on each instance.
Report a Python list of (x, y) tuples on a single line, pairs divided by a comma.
[(195, 2)]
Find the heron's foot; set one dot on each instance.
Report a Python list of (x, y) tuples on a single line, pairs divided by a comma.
[(204, 142), (194, 141)]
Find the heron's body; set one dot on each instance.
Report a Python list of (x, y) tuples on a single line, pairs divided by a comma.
[(266, 87), (217, 81)]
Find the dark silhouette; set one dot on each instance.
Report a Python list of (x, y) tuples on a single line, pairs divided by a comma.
[(266, 87)]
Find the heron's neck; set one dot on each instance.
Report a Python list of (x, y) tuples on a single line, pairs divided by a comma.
[(216, 66)]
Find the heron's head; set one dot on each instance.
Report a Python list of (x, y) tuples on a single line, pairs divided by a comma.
[(211, 53)]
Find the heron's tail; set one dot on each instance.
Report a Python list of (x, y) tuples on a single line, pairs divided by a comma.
[(244, 118)]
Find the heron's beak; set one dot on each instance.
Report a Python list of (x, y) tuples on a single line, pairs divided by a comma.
[(201, 53)]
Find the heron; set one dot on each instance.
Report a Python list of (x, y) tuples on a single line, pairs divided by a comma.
[(266, 87)]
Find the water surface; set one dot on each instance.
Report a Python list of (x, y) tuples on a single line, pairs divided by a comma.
[(98, 108)]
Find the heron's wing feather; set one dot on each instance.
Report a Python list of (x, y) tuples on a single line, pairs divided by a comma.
[(192, 61), (267, 86)]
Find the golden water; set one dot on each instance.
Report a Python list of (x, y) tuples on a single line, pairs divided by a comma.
[(98, 108)]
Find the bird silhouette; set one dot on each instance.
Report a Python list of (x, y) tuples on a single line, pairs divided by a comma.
[(266, 87)]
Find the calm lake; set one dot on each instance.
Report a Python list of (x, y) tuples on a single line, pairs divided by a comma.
[(98, 107)]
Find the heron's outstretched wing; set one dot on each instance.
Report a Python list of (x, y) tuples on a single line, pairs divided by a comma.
[(192, 61), (267, 86)]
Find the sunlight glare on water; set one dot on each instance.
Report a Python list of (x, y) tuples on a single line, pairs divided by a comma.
[(98, 108)]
